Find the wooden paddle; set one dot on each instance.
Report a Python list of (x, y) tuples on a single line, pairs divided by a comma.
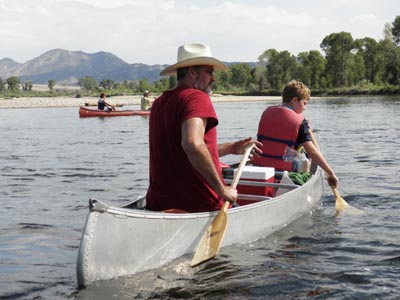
[(340, 203), (211, 241)]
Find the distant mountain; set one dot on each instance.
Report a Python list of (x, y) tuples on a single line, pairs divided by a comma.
[(66, 67), (7, 66)]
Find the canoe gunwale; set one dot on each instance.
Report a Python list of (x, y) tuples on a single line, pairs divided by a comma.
[(100, 206)]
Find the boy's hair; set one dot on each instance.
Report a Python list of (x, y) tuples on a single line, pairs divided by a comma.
[(295, 89)]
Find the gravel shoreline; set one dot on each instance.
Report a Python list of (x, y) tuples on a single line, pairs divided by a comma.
[(40, 102)]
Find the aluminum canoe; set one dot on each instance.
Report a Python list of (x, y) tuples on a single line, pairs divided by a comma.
[(125, 240)]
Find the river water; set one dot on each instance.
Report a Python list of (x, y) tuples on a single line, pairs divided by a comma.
[(52, 162)]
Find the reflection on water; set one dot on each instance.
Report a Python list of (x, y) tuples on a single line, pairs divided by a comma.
[(52, 162)]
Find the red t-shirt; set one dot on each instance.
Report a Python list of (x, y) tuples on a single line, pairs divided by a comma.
[(174, 183)]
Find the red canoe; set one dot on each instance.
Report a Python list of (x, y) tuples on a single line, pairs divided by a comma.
[(87, 112)]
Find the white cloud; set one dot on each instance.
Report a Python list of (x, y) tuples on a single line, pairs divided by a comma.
[(150, 31)]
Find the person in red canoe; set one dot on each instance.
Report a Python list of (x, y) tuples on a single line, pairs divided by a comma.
[(102, 104), (185, 171)]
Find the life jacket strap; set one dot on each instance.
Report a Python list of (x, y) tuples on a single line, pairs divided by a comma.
[(261, 137)]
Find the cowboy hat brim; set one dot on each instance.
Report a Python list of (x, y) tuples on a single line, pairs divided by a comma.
[(196, 61)]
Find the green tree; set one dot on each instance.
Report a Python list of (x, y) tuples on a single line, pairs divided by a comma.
[(262, 82), (107, 84), (356, 68), (396, 30), (289, 66), (13, 83), (304, 71), (160, 85), (222, 80), (373, 59), (312, 64), (116, 86), (259, 77), (281, 67), (337, 47), (2, 85), (144, 85), (129, 85), (241, 75), (389, 53), (269, 59), (87, 83), (387, 32), (391, 58), (157, 86), (51, 83), (27, 86)]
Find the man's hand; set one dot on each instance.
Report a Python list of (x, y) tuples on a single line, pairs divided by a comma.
[(240, 146)]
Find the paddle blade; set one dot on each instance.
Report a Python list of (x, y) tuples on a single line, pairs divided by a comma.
[(212, 238), (340, 203)]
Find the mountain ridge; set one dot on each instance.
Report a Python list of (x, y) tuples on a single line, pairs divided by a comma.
[(65, 67)]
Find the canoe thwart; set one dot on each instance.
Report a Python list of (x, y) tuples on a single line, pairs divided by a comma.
[(266, 184)]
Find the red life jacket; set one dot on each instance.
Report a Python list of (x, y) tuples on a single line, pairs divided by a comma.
[(278, 128)]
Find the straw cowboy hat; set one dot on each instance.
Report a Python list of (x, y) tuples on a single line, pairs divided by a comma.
[(194, 55)]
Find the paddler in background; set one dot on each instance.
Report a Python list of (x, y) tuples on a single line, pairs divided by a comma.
[(102, 104), (145, 102)]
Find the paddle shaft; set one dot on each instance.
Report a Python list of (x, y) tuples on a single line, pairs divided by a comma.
[(239, 172), (335, 192), (241, 165)]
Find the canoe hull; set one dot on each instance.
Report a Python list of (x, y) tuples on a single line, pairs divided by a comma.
[(87, 112), (118, 241)]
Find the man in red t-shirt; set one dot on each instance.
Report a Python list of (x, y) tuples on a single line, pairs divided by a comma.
[(185, 172)]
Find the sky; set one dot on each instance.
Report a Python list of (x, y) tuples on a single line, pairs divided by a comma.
[(150, 31)]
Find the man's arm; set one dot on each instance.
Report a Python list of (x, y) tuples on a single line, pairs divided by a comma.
[(193, 144)]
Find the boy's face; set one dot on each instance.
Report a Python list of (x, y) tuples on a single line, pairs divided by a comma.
[(299, 105)]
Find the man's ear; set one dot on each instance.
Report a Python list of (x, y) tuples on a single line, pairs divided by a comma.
[(192, 72)]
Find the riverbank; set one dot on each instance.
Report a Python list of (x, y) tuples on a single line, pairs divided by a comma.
[(37, 102)]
